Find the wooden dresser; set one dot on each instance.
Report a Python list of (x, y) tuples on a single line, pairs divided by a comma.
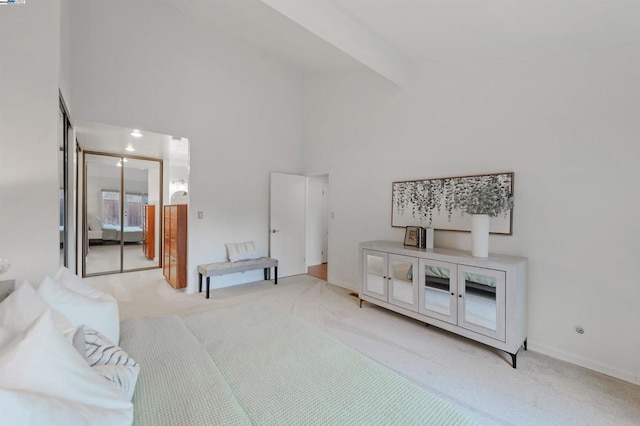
[(149, 231), (175, 245)]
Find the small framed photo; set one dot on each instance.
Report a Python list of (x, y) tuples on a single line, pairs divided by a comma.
[(411, 236)]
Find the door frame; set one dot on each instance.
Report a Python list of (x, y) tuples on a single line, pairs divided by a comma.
[(329, 215)]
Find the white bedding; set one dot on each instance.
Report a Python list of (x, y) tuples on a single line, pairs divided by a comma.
[(261, 366), (132, 234), (95, 235)]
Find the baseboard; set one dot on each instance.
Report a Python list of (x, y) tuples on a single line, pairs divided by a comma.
[(343, 284), (627, 376)]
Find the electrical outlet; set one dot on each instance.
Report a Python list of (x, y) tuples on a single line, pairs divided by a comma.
[(200, 215)]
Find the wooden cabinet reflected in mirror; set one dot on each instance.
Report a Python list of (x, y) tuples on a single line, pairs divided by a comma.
[(149, 231)]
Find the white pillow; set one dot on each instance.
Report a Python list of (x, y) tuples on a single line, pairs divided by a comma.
[(98, 313), (5, 336), (23, 306), (111, 362), (74, 283), (43, 380), (31, 408), (242, 251)]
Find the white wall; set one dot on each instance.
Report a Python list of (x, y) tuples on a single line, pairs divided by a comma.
[(569, 130), (65, 52), (29, 193), (144, 65)]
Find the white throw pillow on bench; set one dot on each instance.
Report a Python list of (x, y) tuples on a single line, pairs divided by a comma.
[(242, 251)]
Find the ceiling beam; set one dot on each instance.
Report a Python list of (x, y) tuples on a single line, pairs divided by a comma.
[(348, 35)]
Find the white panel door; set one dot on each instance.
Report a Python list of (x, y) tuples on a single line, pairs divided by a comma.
[(287, 223)]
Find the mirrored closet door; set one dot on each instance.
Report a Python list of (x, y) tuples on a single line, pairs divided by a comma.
[(122, 215)]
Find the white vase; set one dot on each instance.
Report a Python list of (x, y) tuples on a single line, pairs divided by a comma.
[(480, 235)]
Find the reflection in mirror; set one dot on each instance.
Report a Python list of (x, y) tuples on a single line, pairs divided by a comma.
[(141, 214), (61, 221), (437, 281), (122, 217), (65, 192), (102, 224), (376, 281), (402, 274), (481, 304)]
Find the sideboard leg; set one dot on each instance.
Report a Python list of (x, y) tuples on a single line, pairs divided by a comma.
[(513, 359), (360, 303), (525, 344)]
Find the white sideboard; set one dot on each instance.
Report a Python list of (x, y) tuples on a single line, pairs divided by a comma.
[(484, 299)]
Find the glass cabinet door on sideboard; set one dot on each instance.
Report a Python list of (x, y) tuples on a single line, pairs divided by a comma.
[(438, 290), (481, 300), (391, 278), (402, 278), (374, 274)]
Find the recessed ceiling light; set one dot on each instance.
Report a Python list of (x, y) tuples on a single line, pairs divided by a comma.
[(130, 148), (136, 133)]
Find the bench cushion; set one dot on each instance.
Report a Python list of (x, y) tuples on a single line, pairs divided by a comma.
[(221, 268)]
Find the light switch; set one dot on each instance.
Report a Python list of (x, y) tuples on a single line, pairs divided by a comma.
[(200, 215), (333, 215)]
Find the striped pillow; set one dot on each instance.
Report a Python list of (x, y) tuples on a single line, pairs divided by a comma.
[(111, 362)]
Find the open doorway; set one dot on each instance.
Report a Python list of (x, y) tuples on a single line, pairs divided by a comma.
[(128, 177), (318, 226)]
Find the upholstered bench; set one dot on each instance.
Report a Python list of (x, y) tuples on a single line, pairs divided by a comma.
[(221, 268)]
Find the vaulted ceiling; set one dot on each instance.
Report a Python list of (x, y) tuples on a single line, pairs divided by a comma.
[(391, 36)]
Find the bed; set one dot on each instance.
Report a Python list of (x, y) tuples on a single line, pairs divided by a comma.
[(99, 233), (237, 365), (132, 234), (243, 365)]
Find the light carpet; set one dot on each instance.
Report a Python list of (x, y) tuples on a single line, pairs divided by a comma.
[(475, 378)]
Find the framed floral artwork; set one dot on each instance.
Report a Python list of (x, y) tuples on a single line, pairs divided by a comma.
[(431, 202)]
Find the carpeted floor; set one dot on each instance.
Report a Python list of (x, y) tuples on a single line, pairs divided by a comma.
[(106, 257), (477, 379)]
